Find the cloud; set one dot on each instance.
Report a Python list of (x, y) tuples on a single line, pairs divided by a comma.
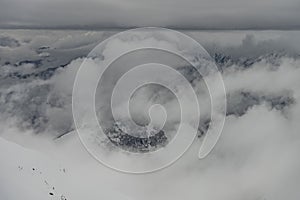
[(256, 157), (8, 42), (229, 14)]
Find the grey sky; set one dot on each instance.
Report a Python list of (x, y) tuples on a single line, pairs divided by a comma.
[(190, 14)]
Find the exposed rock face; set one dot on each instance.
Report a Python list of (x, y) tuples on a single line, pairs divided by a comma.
[(28, 95), (223, 61), (145, 140), (240, 102)]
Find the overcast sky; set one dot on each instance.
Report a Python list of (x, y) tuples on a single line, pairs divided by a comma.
[(190, 14)]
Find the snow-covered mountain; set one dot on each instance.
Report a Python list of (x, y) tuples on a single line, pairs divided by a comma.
[(256, 157)]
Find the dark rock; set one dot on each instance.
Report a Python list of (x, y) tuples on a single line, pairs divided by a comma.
[(136, 144)]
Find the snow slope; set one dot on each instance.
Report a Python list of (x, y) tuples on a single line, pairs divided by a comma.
[(27, 174)]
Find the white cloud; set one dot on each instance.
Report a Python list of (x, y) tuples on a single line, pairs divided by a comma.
[(256, 157)]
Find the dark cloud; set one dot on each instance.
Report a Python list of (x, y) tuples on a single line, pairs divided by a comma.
[(8, 42), (189, 14)]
